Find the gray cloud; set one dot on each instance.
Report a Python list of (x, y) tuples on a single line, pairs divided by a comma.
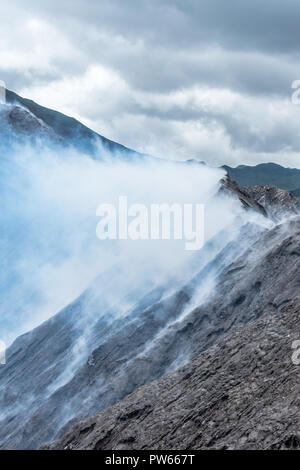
[(270, 26), (120, 66)]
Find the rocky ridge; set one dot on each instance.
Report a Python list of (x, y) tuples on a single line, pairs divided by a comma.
[(158, 336), (22, 123)]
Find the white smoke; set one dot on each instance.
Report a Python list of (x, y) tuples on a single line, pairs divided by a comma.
[(50, 252)]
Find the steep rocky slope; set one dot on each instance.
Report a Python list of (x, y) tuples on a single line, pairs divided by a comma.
[(270, 201), (248, 200), (277, 202), (242, 393), (162, 332), (67, 128), (253, 290)]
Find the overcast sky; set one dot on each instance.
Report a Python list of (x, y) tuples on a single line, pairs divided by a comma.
[(181, 79)]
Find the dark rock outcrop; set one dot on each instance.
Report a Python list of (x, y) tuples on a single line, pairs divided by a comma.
[(270, 201), (277, 202), (17, 122), (247, 200)]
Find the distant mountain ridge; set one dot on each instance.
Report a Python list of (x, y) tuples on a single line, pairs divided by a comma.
[(266, 174)]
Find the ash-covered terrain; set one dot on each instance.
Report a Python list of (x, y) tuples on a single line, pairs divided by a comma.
[(242, 390), (242, 393), (192, 355)]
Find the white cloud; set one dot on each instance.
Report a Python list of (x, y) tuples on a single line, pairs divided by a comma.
[(169, 78)]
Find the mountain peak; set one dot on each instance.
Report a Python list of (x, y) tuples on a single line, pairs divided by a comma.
[(66, 127)]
